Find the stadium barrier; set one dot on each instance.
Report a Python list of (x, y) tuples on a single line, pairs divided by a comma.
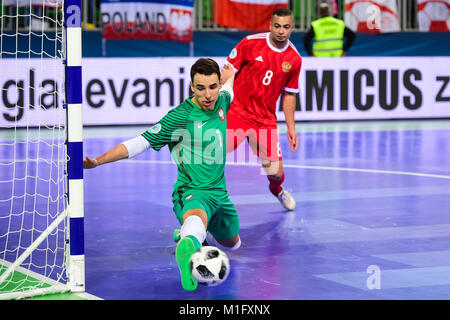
[(123, 91)]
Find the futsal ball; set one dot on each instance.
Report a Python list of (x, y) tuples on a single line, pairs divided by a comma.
[(372, 16), (433, 16), (209, 266)]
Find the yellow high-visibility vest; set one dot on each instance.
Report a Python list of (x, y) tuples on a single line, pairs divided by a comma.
[(329, 37)]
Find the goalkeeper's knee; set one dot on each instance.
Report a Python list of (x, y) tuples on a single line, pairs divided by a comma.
[(215, 243)]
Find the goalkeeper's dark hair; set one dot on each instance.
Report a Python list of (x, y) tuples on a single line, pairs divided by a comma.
[(281, 12), (205, 66)]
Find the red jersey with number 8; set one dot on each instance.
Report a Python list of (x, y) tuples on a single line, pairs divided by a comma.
[(263, 72)]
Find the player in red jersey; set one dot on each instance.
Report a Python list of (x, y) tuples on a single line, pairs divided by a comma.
[(267, 66)]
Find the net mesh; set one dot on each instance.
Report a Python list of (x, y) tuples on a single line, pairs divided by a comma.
[(33, 157)]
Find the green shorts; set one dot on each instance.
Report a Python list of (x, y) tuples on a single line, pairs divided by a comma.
[(223, 221)]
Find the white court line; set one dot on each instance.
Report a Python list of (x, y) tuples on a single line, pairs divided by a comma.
[(296, 166), (417, 174)]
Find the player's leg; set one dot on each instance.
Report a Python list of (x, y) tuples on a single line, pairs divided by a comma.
[(231, 244), (226, 244), (236, 132), (275, 175), (223, 230), (192, 234), (269, 152), (194, 220)]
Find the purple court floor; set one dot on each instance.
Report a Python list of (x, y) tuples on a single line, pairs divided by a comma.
[(372, 218)]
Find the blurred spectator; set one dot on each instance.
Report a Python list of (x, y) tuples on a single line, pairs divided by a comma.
[(326, 36)]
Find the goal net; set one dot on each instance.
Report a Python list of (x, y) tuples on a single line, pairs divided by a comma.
[(37, 244)]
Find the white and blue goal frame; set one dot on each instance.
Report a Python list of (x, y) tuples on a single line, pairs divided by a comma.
[(73, 215), (74, 133)]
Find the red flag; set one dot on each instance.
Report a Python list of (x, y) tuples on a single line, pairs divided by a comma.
[(246, 14)]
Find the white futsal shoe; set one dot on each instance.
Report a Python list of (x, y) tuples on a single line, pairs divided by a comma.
[(286, 200)]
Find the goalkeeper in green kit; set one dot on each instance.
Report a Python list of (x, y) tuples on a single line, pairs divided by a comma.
[(195, 132)]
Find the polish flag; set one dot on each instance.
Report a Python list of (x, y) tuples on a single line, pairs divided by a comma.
[(246, 14)]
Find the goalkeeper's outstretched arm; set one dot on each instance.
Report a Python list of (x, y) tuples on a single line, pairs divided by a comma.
[(117, 153), (127, 149)]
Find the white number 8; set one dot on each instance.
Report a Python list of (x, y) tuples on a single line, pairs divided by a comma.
[(267, 78)]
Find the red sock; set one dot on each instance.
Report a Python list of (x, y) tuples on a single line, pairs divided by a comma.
[(275, 185)]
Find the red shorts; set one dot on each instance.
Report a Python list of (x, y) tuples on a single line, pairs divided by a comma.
[(263, 141)]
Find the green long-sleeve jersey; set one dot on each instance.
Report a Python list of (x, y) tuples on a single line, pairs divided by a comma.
[(197, 142)]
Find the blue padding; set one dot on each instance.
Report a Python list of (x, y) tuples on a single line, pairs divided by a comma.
[(69, 3), (76, 236), (75, 163), (73, 84)]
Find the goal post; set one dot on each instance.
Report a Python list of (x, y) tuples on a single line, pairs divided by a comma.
[(72, 9), (41, 143)]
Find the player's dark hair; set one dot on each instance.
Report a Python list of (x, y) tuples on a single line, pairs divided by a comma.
[(281, 12), (205, 66)]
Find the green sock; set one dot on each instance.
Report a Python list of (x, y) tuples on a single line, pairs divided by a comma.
[(197, 243)]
